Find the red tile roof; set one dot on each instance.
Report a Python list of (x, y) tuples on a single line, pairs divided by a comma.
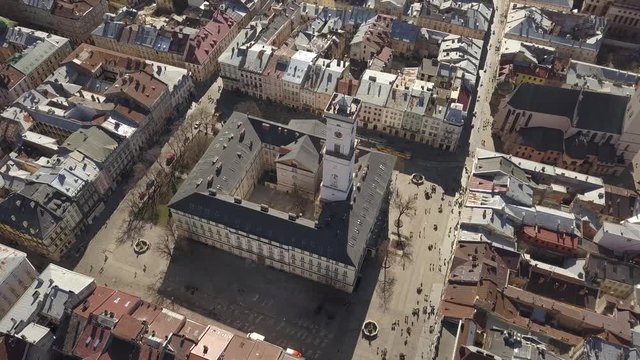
[(181, 346), (148, 353), (550, 239), (147, 312), (206, 40), (128, 328), (93, 340), (192, 330), (212, 344), (92, 59), (238, 348), (141, 86), (586, 320), (72, 9), (94, 301), (9, 76), (165, 324), (120, 303), (131, 114)]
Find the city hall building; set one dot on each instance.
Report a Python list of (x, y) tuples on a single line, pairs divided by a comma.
[(305, 199)]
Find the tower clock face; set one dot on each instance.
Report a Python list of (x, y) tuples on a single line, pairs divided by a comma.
[(338, 134)]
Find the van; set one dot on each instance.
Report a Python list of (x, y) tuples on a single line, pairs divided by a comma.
[(255, 336)]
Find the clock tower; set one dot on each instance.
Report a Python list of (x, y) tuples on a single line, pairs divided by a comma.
[(339, 154)]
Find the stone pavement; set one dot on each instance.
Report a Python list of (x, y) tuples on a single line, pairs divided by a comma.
[(402, 331)]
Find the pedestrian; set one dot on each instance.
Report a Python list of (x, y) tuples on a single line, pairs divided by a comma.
[(144, 268)]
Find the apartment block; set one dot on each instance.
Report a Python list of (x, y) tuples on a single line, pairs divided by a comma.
[(75, 135), (74, 20), (623, 17), (167, 40), (574, 36), (28, 56), (526, 278)]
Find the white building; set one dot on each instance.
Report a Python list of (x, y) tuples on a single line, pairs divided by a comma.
[(49, 297), (622, 239), (215, 204), (16, 274), (296, 74), (374, 90)]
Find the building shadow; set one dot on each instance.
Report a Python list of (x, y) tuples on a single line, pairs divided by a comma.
[(290, 311)]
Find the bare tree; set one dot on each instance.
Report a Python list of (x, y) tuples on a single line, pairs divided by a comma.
[(299, 202), (386, 287), (167, 246), (405, 206), (387, 282), (201, 113), (151, 155), (193, 151), (138, 171)]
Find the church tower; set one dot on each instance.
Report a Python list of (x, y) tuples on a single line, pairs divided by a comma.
[(340, 145)]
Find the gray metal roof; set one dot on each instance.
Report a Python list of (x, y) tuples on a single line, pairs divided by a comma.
[(35, 210), (531, 22), (38, 47), (10, 258), (330, 77), (343, 228), (375, 87), (303, 153), (37, 300), (299, 66), (309, 126), (586, 109), (236, 53), (601, 78), (92, 142)]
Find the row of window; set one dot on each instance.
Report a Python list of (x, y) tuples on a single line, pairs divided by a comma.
[(307, 266), (196, 224)]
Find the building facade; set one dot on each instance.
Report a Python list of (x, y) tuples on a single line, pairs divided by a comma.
[(623, 17), (196, 49), (29, 57), (74, 20)]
